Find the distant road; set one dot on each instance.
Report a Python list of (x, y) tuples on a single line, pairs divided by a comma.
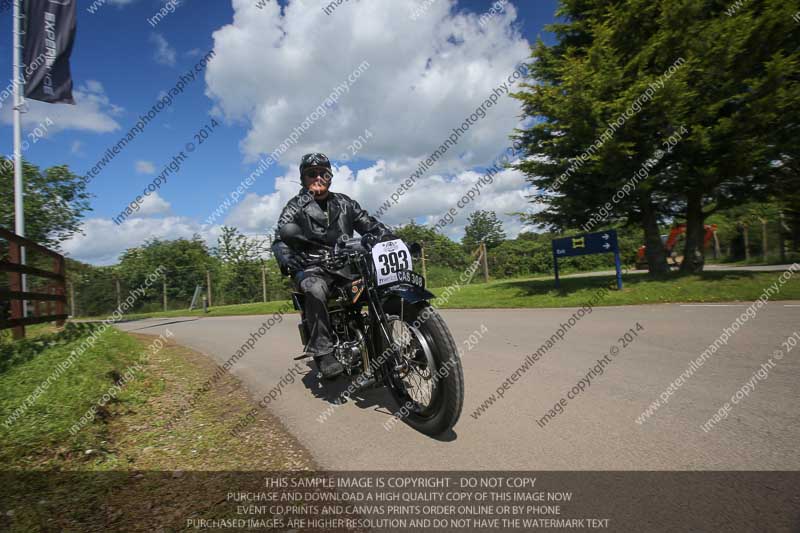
[(597, 430)]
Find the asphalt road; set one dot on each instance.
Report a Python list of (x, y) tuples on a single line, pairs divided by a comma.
[(596, 431)]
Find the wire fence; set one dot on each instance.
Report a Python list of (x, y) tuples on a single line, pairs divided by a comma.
[(95, 291)]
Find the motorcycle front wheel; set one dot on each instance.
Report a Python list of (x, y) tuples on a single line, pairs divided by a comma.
[(426, 377)]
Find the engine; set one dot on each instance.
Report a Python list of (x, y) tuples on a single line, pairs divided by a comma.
[(351, 347)]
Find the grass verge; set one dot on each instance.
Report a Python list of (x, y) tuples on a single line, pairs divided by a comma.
[(712, 286), (125, 461), (639, 288)]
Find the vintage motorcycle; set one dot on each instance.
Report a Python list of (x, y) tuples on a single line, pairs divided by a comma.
[(386, 333)]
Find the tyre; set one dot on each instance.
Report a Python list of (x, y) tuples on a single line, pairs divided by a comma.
[(427, 381)]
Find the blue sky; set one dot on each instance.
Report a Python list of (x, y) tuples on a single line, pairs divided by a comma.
[(121, 64)]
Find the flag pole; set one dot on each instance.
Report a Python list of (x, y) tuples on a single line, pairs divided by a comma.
[(19, 213)]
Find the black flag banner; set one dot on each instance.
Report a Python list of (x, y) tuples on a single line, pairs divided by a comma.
[(47, 44)]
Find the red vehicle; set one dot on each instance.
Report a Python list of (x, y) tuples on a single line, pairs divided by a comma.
[(669, 245)]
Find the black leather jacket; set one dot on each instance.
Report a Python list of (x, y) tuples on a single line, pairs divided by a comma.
[(345, 216)]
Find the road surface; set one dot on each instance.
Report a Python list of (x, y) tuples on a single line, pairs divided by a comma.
[(596, 431)]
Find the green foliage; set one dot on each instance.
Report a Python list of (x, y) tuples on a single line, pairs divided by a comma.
[(241, 261), (45, 424), (736, 91), (758, 220), (483, 226), (55, 202), (531, 254), (638, 289), (184, 260), (16, 352), (439, 250)]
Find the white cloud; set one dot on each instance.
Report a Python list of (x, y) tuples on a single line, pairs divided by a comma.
[(165, 53), (145, 167), (427, 201), (275, 65), (152, 205), (104, 240), (76, 148), (93, 111)]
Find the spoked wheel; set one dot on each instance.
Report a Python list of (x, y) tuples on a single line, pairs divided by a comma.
[(427, 380)]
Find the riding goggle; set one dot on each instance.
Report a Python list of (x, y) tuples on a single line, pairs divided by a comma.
[(322, 173)]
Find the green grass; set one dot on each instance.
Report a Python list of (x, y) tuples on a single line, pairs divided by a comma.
[(36, 330), (30, 440), (758, 260), (52, 480), (259, 308), (639, 288)]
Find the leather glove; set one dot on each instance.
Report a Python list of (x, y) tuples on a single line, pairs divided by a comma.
[(369, 240), (294, 263)]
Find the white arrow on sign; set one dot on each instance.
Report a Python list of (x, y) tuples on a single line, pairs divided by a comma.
[(605, 236), (606, 246)]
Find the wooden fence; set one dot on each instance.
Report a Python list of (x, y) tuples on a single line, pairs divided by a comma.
[(53, 299)]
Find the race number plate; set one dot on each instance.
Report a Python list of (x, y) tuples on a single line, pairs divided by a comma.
[(389, 258), (411, 277)]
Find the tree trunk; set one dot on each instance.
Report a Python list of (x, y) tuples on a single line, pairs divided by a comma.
[(654, 247), (764, 238), (694, 250)]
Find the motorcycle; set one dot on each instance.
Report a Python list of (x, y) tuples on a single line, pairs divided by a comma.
[(386, 332)]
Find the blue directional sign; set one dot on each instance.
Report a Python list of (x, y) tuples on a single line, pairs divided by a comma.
[(588, 243)]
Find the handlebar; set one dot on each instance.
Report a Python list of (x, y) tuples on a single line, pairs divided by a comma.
[(337, 257)]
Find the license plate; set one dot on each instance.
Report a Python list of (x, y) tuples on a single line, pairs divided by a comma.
[(411, 277)]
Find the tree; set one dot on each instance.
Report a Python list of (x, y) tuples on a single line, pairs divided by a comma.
[(55, 202), (184, 260), (483, 226), (583, 144), (242, 259), (732, 87), (439, 250)]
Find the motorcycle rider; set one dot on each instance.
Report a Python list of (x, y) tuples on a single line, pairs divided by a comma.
[(325, 217)]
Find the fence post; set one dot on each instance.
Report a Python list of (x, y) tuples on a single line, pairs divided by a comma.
[(119, 301), (208, 286), (72, 299), (164, 290), (746, 241), (60, 268), (15, 285), (424, 269), (781, 236), (264, 283), (485, 263)]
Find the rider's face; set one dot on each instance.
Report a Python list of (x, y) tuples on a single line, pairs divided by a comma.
[(317, 180)]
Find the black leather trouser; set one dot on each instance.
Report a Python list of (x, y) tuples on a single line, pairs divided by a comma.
[(316, 285)]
